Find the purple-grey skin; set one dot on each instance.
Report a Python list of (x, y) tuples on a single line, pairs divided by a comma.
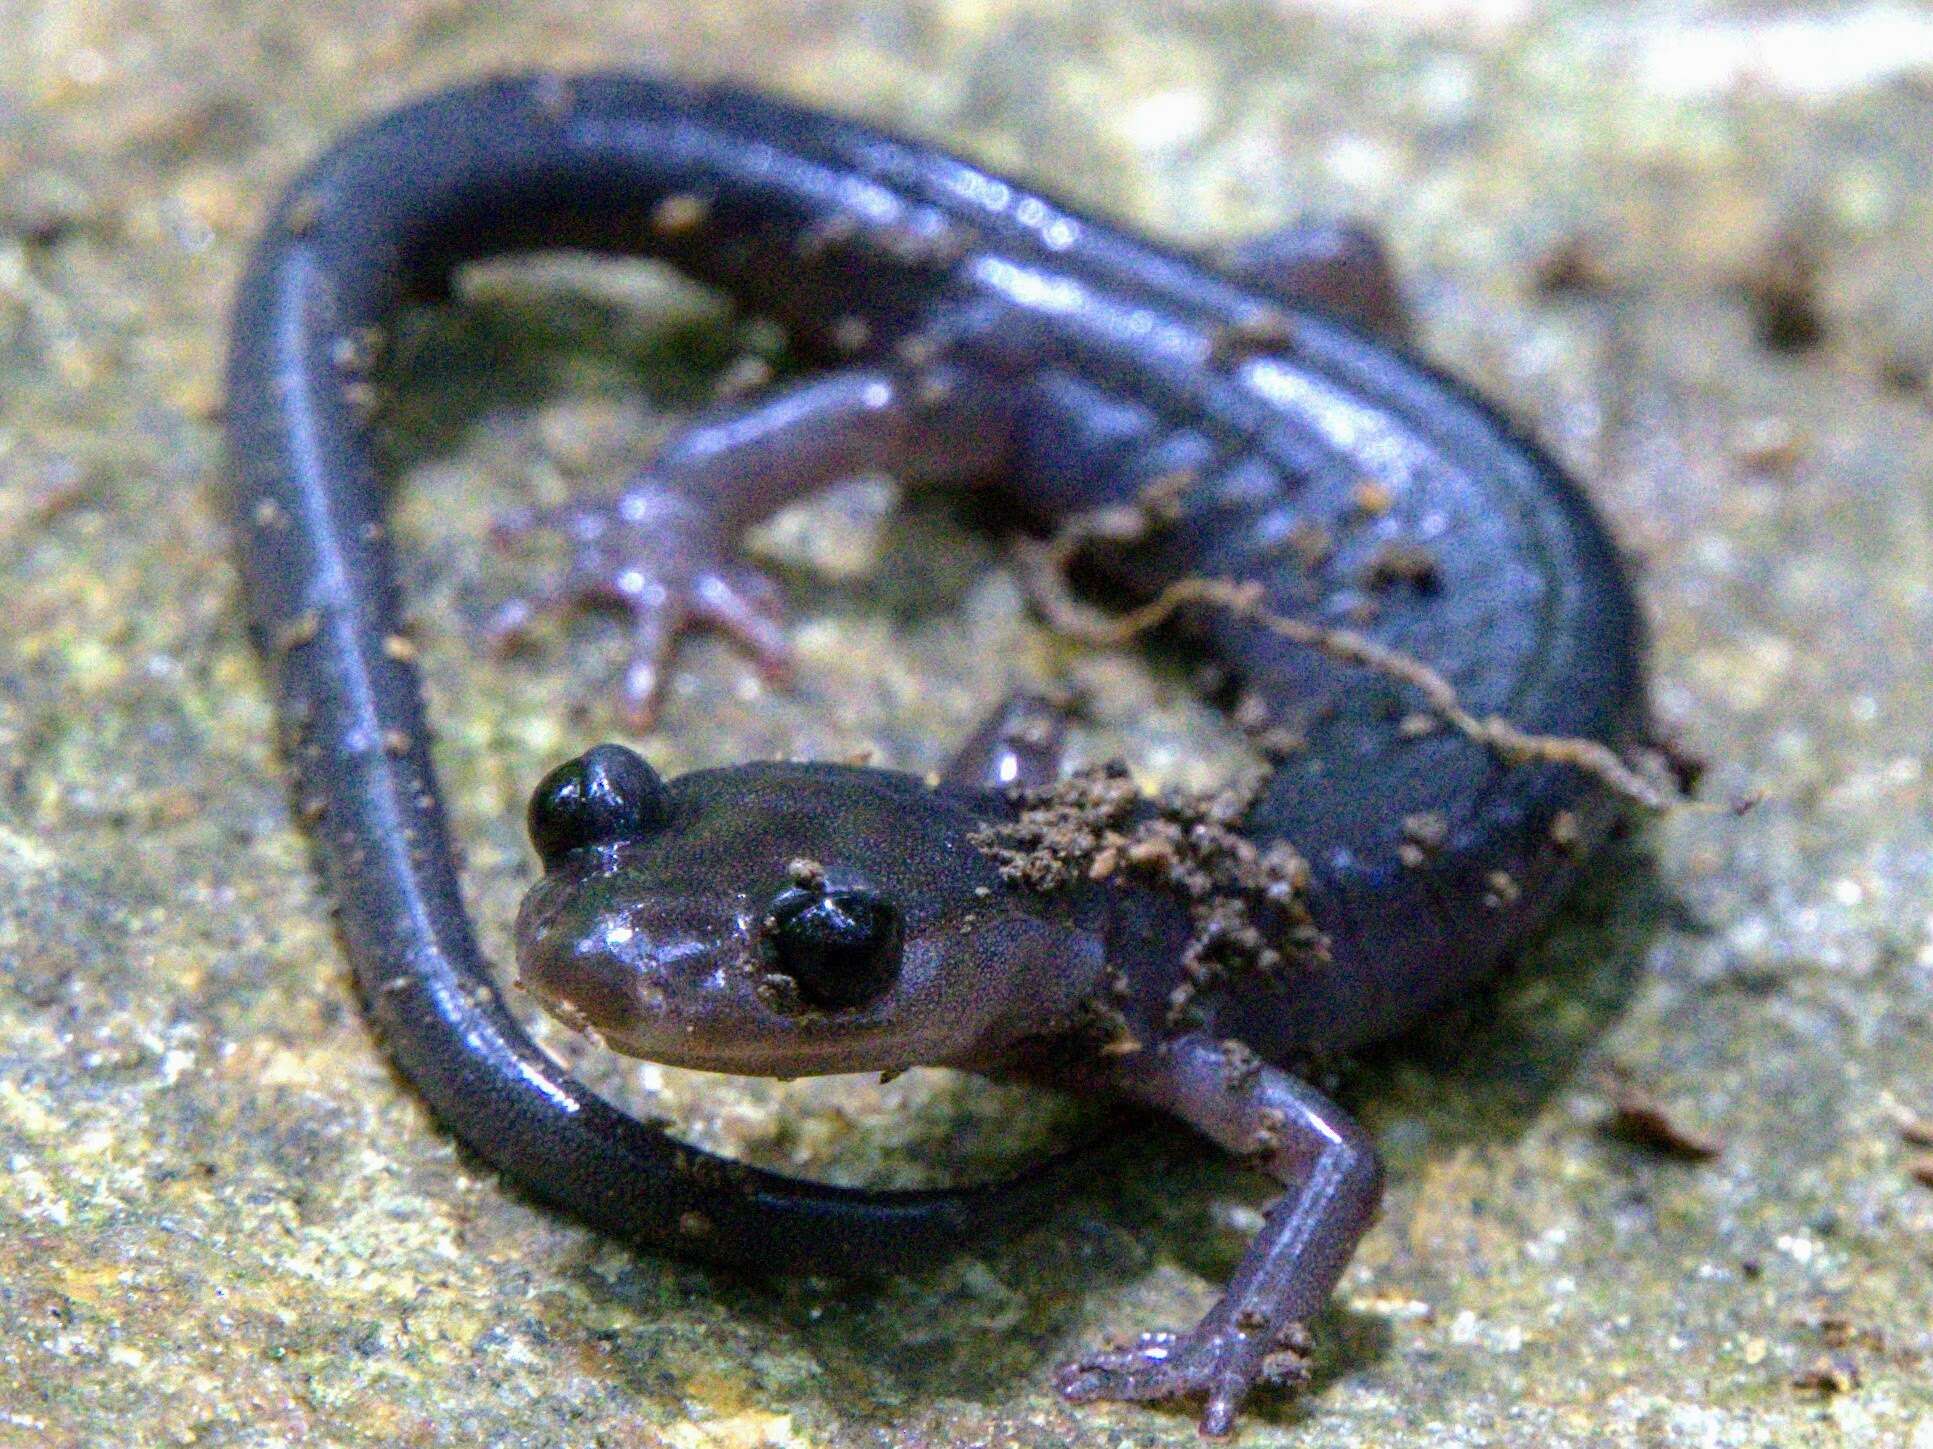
[(804, 918)]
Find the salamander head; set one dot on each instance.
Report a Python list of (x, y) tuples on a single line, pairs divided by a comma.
[(785, 920)]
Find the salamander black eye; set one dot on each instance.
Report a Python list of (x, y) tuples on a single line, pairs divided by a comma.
[(605, 795), (840, 947)]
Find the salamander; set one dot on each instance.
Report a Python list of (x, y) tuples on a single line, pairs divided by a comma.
[(792, 918)]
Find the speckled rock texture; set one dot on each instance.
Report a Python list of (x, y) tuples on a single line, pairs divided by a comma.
[(1687, 244)]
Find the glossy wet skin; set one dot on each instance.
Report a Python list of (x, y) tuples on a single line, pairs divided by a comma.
[(669, 925), (812, 917)]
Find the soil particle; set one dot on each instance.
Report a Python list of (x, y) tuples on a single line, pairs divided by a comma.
[(1245, 900)]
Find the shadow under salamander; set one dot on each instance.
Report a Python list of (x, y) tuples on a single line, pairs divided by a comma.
[(520, 334)]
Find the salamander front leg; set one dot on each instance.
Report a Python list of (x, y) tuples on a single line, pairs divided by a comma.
[(1333, 1185), (1020, 746), (664, 550)]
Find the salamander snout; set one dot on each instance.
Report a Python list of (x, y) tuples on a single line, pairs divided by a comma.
[(782, 918)]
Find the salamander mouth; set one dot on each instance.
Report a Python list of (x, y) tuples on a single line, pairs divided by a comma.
[(678, 979)]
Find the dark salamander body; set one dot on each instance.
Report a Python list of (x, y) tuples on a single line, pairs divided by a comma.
[(803, 918)]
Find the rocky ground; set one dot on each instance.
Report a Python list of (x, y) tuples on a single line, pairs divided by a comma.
[(1688, 247)]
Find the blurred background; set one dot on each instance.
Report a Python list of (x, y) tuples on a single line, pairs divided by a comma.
[(1687, 244)]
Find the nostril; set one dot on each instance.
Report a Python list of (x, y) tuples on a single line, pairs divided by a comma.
[(588, 991)]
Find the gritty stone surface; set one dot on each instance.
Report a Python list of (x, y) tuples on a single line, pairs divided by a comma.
[(1689, 249)]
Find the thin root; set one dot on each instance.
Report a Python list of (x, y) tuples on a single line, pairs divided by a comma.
[(1044, 574)]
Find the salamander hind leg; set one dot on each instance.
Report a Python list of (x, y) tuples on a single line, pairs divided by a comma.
[(1332, 1184), (653, 555), (664, 550), (657, 555), (1340, 266)]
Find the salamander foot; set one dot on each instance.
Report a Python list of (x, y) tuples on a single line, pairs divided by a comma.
[(1221, 1364), (654, 556)]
